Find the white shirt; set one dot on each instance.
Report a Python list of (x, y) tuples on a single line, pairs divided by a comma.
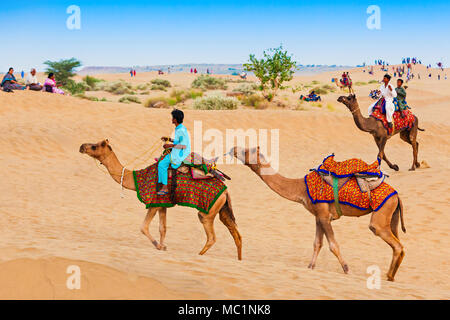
[(387, 93), (30, 79)]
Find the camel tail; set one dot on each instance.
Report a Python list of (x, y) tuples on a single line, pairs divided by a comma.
[(400, 209), (229, 209)]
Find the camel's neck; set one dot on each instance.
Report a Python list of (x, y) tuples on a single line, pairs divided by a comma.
[(291, 189), (115, 168), (360, 121)]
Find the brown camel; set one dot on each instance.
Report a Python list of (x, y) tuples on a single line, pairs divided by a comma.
[(383, 223), (379, 132), (343, 86), (103, 152)]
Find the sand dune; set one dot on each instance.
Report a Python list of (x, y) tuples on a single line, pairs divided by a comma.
[(58, 208)]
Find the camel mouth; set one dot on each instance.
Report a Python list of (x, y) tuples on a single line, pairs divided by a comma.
[(82, 149), (341, 99)]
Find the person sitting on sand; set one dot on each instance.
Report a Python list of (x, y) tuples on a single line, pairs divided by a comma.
[(388, 93), (31, 81), (9, 82), (312, 96), (181, 148), (51, 86)]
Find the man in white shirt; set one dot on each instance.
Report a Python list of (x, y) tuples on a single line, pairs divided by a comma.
[(388, 93), (31, 81)]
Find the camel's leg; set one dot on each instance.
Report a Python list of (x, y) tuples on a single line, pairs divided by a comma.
[(208, 224), (162, 228), (324, 217), (318, 241), (380, 225), (232, 227), (381, 143), (146, 224), (406, 136)]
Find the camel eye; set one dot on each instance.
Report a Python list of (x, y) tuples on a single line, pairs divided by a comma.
[(94, 147)]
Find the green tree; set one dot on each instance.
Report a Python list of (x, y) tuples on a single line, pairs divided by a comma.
[(272, 70), (63, 69)]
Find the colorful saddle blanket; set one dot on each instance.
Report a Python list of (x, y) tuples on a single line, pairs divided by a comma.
[(349, 193), (402, 119), (349, 168), (200, 194)]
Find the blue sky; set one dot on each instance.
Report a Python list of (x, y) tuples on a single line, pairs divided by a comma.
[(126, 33)]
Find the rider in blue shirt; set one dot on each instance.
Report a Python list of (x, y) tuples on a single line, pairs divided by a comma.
[(181, 149)]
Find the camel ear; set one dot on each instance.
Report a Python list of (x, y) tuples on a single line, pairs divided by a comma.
[(107, 141), (103, 143)]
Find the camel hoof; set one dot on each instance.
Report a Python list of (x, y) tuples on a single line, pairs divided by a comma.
[(155, 243), (389, 278), (395, 167), (417, 165), (311, 266), (412, 169), (345, 268)]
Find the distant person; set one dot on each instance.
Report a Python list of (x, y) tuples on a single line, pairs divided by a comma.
[(22, 74), (195, 70), (192, 70), (9, 82), (31, 81), (51, 86), (134, 73)]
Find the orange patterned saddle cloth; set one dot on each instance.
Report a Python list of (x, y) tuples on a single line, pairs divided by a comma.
[(350, 191)]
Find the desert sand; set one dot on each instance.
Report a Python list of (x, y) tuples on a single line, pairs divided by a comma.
[(58, 208)]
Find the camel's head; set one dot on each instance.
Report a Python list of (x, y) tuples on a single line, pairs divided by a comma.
[(350, 102), (250, 157), (97, 150)]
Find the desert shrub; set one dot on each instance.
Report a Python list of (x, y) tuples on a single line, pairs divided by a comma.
[(118, 87), (91, 82), (328, 88), (128, 99), (246, 88), (156, 102), (145, 92), (297, 88), (161, 82), (373, 81), (330, 107), (253, 100), (315, 82), (360, 83), (158, 87), (215, 103), (63, 69), (103, 99), (141, 87), (205, 82), (316, 104), (83, 96), (194, 94), (75, 87)]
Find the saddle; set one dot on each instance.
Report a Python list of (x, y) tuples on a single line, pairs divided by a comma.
[(336, 174), (198, 167)]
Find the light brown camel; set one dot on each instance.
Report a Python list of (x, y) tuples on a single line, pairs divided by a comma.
[(379, 132), (103, 152), (383, 223), (343, 86)]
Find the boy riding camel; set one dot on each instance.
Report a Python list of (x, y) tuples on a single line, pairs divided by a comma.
[(181, 148)]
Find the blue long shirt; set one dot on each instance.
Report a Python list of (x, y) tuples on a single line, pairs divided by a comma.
[(181, 138)]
